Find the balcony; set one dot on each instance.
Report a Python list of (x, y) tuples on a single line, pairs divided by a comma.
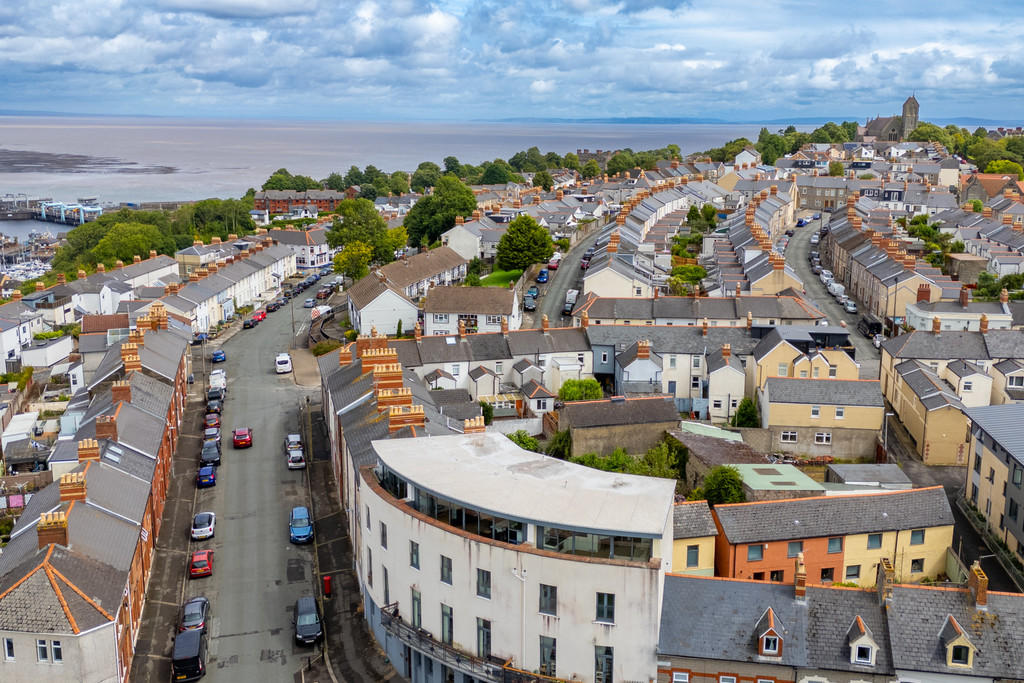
[(493, 669)]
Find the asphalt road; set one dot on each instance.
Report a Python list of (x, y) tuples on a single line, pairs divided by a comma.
[(796, 256), (552, 294), (258, 574)]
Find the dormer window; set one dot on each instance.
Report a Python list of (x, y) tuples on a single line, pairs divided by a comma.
[(861, 642), (768, 632), (864, 654), (961, 654), (770, 645), (959, 649)]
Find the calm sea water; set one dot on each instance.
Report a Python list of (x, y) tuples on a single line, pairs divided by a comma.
[(168, 159)]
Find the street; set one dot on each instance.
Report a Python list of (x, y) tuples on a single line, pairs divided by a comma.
[(258, 574), (568, 276), (796, 256)]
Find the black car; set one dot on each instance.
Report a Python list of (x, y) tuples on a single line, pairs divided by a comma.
[(215, 394), (272, 306), (529, 303), (214, 407), (195, 615), (248, 324), (309, 628), (210, 454)]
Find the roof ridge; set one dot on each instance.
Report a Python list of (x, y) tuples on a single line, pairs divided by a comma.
[(50, 571), (830, 498), (81, 593), (28, 575)]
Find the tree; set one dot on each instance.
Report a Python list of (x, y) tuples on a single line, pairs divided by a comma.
[(690, 274), (452, 165), (571, 162), (591, 169), (523, 244), (398, 183), (543, 179), (354, 260), (560, 445), (746, 414), (580, 390), (659, 461), (358, 221), (126, 240), (281, 179), (1005, 167), (427, 174), (977, 206), (487, 410), (335, 181), (522, 439), (929, 132), (722, 486), (498, 173), (836, 169), (368, 192), (435, 214), (620, 161)]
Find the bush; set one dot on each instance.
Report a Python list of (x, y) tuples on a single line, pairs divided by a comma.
[(746, 414), (351, 335), (52, 334), (488, 412), (562, 244), (472, 280), (580, 390), (524, 441), (326, 346)]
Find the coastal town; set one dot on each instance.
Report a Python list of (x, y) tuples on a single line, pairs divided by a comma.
[(704, 418)]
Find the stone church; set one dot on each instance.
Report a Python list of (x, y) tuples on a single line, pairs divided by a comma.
[(891, 128)]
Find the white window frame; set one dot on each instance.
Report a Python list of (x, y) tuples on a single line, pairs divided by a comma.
[(494, 320), (680, 677), (783, 369), (8, 649), (455, 370), (968, 386), (869, 659), (823, 438), (788, 437), (840, 412), (815, 411), (440, 318), (774, 651), (695, 362), (42, 651), (498, 368), (56, 652)]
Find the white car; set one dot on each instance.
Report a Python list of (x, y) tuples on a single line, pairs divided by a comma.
[(296, 459), (202, 525), (825, 276), (283, 363), (815, 239)]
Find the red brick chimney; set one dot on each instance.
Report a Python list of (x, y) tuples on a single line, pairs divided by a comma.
[(800, 577), (504, 325), (402, 396), (584, 320), (119, 264), (965, 297), (40, 286), (132, 363), (462, 329), (372, 357), (88, 449), (106, 427), (387, 376), (100, 268), (1004, 296), (136, 259), (16, 296), (474, 425), (61, 278), (80, 275), (152, 253), (924, 293), (72, 487), (121, 391), (704, 327), (750, 318), (410, 416), (418, 331), (52, 528), (643, 349), (726, 351), (544, 323)]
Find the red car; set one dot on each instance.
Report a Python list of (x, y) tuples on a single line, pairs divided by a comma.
[(201, 564), (212, 420), (259, 316), (242, 437)]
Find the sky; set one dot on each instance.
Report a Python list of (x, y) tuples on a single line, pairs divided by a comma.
[(409, 60)]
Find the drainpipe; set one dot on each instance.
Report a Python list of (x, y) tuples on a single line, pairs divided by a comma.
[(521, 575)]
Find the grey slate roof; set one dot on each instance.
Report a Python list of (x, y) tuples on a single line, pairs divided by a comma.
[(834, 516), (582, 414), (1002, 423), (692, 520), (841, 392)]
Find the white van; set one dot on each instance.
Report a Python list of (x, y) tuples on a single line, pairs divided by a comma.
[(283, 363)]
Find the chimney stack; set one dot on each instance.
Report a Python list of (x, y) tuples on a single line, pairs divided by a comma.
[(800, 578), (388, 376), (704, 327), (643, 349), (119, 264), (474, 425), (410, 416), (965, 297), (401, 396), (924, 293), (936, 325), (1004, 296), (884, 581), (136, 259), (983, 324), (544, 323), (40, 286), (152, 253), (52, 527), (418, 331), (106, 427), (726, 351), (977, 583), (750, 317), (584, 320), (504, 325), (88, 449), (121, 391), (72, 486), (100, 268), (462, 329)]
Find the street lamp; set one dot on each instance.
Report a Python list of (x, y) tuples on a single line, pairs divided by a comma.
[(885, 435)]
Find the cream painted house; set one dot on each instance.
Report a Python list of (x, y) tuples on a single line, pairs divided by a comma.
[(694, 532), (995, 473)]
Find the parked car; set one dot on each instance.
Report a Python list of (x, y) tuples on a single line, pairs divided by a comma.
[(877, 340), (215, 394), (789, 233), (273, 306), (214, 407), (292, 441), (825, 275), (249, 324), (211, 420), (841, 299), (218, 356), (542, 276), (555, 260), (195, 615), (203, 525), (801, 223), (584, 263), (300, 525), (201, 564), (589, 253), (533, 291), (206, 477), (850, 306), (309, 303), (211, 433), (296, 459), (816, 217), (242, 437), (283, 363), (210, 455), (529, 303), (816, 269), (259, 316), (815, 239), (308, 626)]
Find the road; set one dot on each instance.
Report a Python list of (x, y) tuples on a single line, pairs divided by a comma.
[(568, 276), (258, 574), (796, 256)]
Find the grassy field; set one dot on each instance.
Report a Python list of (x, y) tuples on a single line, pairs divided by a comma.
[(501, 278)]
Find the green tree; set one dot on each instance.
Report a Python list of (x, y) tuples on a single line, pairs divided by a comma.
[(354, 260), (427, 174), (929, 132), (560, 445), (836, 169), (434, 214), (126, 240), (498, 173), (335, 181), (985, 151), (722, 486), (452, 165), (591, 169), (571, 162), (358, 221), (522, 439), (580, 390), (977, 206), (690, 274), (523, 244), (709, 213), (281, 179), (398, 183), (746, 414), (620, 161), (543, 179), (1005, 167), (487, 410)]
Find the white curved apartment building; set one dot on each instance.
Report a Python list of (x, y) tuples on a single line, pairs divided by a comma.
[(501, 563)]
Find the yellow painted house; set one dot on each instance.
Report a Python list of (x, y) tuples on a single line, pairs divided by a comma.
[(693, 545), (932, 413), (777, 356), (995, 472)]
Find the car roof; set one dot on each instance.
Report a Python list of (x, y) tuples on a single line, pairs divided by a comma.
[(241, 430), (207, 469), (300, 511)]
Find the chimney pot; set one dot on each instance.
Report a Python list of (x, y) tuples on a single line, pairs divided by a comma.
[(52, 527), (72, 487), (544, 323), (936, 325), (800, 577), (88, 449)]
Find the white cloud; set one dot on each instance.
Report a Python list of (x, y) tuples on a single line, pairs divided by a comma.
[(541, 87)]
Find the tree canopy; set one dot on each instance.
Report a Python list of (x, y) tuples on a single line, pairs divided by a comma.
[(281, 179), (746, 414), (523, 244), (543, 180), (722, 486), (358, 221), (522, 439), (354, 260), (427, 174), (435, 213), (659, 461), (580, 390)]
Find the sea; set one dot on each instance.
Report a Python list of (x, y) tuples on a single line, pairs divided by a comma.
[(154, 159)]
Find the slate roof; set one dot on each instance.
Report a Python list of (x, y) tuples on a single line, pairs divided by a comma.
[(418, 267), (366, 290), (714, 451), (478, 300), (844, 392), (673, 339), (919, 614), (692, 520), (932, 391), (582, 414), (825, 516), (1002, 423), (447, 397), (534, 389)]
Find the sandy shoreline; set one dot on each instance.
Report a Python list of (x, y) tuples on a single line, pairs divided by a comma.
[(17, 161)]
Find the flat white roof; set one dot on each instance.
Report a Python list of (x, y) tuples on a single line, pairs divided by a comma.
[(489, 473)]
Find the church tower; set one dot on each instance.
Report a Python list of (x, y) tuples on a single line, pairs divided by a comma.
[(910, 116)]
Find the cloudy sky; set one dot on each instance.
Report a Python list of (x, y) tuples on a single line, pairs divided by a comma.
[(490, 59)]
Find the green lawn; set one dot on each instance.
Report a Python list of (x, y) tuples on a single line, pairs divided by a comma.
[(501, 278)]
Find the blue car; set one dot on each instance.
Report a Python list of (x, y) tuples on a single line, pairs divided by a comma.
[(219, 356), (206, 477), (300, 526), (542, 276), (801, 223)]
